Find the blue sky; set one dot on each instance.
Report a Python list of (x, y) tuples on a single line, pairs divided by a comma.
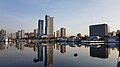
[(75, 15)]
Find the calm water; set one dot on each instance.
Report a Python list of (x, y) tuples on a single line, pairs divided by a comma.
[(58, 55)]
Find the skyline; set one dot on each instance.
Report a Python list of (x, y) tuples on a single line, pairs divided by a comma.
[(74, 15)]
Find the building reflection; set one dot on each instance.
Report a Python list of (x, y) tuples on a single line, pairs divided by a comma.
[(35, 48), (118, 64), (63, 48), (47, 51), (57, 47), (20, 45), (118, 60), (99, 52), (2, 46), (49, 54), (17, 46), (39, 53), (32, 45)]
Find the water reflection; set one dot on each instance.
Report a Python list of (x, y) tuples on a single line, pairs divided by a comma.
[(63, 48), (39, 53), (20, 45), (118, 65), (47, 54), (118, 60), (99, 52), (3, 46)]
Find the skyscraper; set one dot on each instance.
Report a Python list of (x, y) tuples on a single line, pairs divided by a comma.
[(35, 32), (40, 27), (2, 35), (19, 34), (57, 33), (62, 32), (13, 35), (98, 30), (22, 33), (48, 25)]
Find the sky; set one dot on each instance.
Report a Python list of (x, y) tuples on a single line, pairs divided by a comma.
[(74, 15)]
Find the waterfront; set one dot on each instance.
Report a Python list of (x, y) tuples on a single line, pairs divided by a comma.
[(57, 55)]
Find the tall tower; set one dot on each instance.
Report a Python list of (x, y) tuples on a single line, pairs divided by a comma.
[(22, 33), (48, 25), (62, 32), (2, 35), (35, 32), (98, 30), (57, 33), (40, 27)]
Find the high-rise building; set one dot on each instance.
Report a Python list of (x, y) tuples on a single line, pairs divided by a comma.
[(19, 34), (57, 33), (40, 27), (98, 30), (22, 33), (54, 34), (48, 25), (13, 35), (35, 32), (62, 32), (2, 35), (31, 35)]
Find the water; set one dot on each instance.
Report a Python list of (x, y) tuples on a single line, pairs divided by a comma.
[(57, 55)]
